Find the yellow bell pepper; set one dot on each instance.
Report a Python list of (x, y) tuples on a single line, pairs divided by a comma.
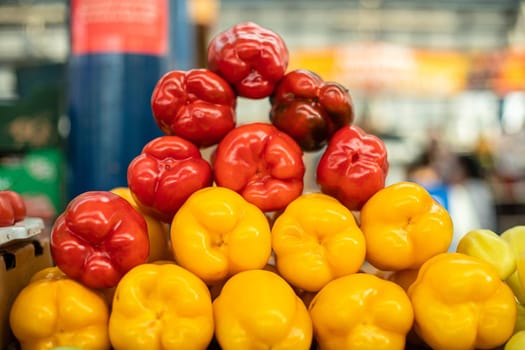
[(217, 233), (513, 281), (158, 231), (54, 310), (461, 303), (258, 309), (54, 272), (161, 306), (48, 273), (516, 342), (491, 248), (404, 226), (361, 311), (315, 240), (516, 238), (520, 318)]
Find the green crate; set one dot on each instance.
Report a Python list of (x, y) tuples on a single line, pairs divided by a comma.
[(31, 121), (38, 175)]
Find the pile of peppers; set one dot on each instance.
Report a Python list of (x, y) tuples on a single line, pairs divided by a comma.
[(230, 252)]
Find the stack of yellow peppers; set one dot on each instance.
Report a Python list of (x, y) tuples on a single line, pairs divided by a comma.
[(316, 274)]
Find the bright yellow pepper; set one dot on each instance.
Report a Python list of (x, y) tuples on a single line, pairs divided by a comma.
[(315, 240), (54, 272), (258, 309), (491, 248), (158, 231), (217, 233), (161, 306), (460, 302), (361, 311), (404, 226), (54, 310), (49, 273)]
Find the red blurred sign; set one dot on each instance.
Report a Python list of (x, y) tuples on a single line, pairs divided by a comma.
[(130, 26)]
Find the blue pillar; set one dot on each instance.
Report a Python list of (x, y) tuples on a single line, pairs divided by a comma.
[(109, 109)]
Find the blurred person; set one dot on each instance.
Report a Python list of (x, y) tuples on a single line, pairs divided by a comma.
[(471, 202), (509, 165), (458, 183), (423, 172)]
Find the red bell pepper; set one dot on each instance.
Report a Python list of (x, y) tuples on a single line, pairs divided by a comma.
[(168, 170), (353, 167), (310, 109), (249, 57), (7, 215), (12, 208), (261, 163), (98, 238), (197, 105)]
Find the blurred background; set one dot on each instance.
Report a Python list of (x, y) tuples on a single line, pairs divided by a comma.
[(442, 82)]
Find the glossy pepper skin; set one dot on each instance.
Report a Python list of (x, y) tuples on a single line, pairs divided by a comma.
[(98, 238), (461, 303), (54, 310), (257, 309), (250, 57), (353, 166), (315, 240), (262, 163), (361, 311), (158, 231), (217, 233), (164, 175), (404, 226), (161, 306), (309, 109), (197, 105)]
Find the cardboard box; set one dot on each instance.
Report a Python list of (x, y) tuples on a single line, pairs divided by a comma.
[(19, 261)]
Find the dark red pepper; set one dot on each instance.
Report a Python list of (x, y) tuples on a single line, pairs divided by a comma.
[(353, 167), (262, 163), (197, 105), (310, 109), (168, 170), (249, 57)]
